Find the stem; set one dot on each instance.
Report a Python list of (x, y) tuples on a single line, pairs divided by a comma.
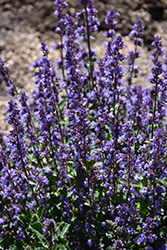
[(115, 166), (24, 169), (118, 107), (62, 60), (129, 172), (152, 134), (57, 114), (89, 47), (133, 64), (114, 184), (15, 188), (114, 101), (114, 120), (50, 139), (50, 142), (57, 101), (34, 129), (154, 111), (87, 170)]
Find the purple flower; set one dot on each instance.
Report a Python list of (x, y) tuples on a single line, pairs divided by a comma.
[(148, 248), (89, 242), (141, 239)]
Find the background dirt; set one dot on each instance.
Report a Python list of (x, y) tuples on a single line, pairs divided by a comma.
[(25, 23)]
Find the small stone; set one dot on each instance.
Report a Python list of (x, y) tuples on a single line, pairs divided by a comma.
[(72, 11)]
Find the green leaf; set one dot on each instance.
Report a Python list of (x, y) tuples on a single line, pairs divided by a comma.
[(2, 239), (97, 164), (62, 104), (84, 104), (87, 204), (60, 247), (40, 211), (13, 247), (33, 183), (109, 235), (109, 248), (65, 230), (92, 37), (40, 236), (23, 219), (38, 226), (32, 158), (20, 244), (62, 229), (87, 65)]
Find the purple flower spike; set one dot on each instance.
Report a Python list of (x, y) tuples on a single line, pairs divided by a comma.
[(4, 75), (156, 69), (111, 23), (110, 19), (91, 25), (44, 48), (136, 34), (60, 6)]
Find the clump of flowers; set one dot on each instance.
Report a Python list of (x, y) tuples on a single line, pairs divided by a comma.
[(85, 165)]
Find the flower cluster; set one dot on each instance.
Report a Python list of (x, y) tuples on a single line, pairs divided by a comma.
[(84, 165)]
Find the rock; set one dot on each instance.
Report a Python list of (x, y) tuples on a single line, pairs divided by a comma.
[(72, 11)]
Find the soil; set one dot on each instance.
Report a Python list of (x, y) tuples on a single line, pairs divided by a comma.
[(25, 23)]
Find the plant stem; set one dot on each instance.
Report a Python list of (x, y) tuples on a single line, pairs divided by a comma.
[(89, 47)]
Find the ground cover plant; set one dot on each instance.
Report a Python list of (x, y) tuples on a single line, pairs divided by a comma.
[(84, 165)]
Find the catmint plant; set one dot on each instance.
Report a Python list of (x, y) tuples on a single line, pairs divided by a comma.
[(136, 34), (84, 163)]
